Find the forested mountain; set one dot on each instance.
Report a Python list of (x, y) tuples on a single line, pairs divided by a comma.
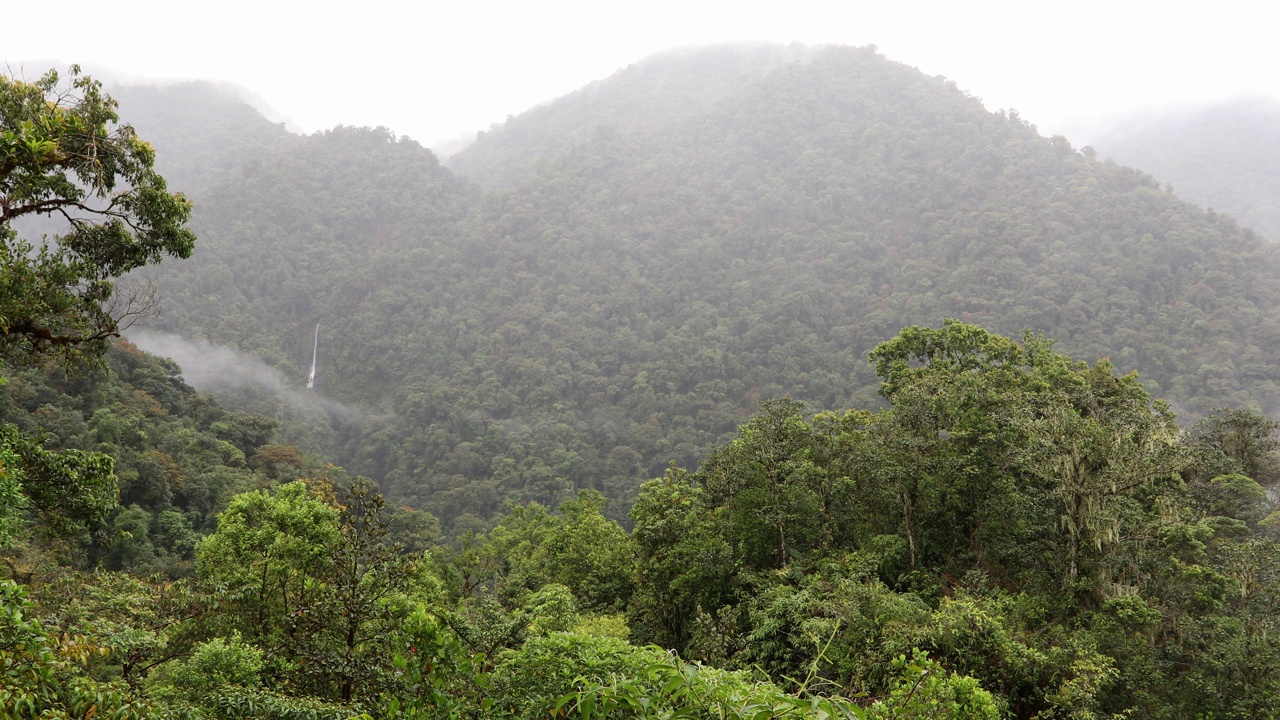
[(658, 91), (205, 131), (629, 304), (967, 526), (1226, 157)]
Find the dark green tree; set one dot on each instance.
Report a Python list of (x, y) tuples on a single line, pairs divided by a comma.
[(65, 157), (67, 492)]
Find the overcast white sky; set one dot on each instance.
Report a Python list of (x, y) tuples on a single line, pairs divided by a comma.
[(435, 71)]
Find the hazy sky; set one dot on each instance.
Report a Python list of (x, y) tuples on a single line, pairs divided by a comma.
[(435, 70)]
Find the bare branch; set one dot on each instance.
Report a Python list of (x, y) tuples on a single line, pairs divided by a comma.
[(136, 301)]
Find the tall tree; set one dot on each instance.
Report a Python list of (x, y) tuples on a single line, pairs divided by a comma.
[(1245, 438), (368, 574), (65, 157), (269, 556)]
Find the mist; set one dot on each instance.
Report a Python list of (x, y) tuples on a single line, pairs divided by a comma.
[(1060, 70), (213, 369)]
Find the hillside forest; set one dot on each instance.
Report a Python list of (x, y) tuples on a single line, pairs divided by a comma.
[(1223, 156), (753, 381)]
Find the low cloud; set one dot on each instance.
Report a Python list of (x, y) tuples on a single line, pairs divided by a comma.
[(213, 368)]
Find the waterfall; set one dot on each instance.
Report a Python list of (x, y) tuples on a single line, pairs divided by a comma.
[(315, 347)]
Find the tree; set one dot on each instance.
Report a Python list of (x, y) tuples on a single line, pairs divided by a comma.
[(368, 573), (589, 554), (770, 485), (943, 448), (65, 157), (43, 674), (1095, 451), (318, 587), (1244, 437), (66, 491), (683, 561), (1011, 435), (269, 556)]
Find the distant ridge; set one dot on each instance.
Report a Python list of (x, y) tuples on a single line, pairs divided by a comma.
[(625, 297), (202, 130), (659, 90), (1225, 156)]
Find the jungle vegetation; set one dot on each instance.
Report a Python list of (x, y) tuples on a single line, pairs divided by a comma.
[(750, 409), (630, 301)]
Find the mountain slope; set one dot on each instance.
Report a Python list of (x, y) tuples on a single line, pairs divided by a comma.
[(656, 92), (630, 303), (1225, 157), (201, 132)]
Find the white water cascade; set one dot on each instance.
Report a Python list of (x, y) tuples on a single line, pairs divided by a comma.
[(315, 347)]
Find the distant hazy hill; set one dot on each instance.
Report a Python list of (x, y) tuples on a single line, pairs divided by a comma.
[(631, 301), (658, 91), (200, 131), (1226, 157)]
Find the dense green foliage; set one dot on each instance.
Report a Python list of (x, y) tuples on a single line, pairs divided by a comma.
[(63, 156), (1224, 157), (1032, 522), (174, 457), (1000, 531), (630, 302), (1015, 534)]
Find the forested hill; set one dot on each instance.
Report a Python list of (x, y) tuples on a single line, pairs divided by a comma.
[(630, 302), (203, 131), (1225, 156), (656, 92), (994, 529)]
